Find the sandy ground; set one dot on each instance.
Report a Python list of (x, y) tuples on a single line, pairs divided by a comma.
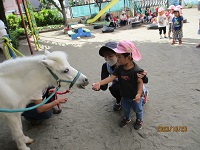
[(88, 121)]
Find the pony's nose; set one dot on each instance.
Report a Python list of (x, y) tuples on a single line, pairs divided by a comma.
[(85, 80)]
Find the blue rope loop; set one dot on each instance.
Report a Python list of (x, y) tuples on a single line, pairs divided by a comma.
[(29, 108)]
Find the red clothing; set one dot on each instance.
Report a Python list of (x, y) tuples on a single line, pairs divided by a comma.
[(156, 9)]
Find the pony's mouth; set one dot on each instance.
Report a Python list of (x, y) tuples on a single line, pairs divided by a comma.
[(82, 86)]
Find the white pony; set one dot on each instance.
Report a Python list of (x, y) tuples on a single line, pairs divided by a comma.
[(21, 79), (2, 31)]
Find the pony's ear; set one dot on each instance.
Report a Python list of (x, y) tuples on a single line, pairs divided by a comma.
[(46, 52), (48, 63)]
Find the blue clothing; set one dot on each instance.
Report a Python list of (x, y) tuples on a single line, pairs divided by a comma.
[(34, 115), (177, 23), (128, 103), (107, 17)]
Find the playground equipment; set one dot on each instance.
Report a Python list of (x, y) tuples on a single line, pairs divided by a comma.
[(107, 29), (139, 6), (8, 50), (32, 23), (78, 31), (102, 11)]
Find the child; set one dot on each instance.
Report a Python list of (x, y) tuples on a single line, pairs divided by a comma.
[(108, 67), (170, 17), (198, 46), (161, 20), (177, 26), (38, 115), (129, 84)]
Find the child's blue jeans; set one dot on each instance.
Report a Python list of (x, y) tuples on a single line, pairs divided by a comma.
[(34, 115), (128, 103)]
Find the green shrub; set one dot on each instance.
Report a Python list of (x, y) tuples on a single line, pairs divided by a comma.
[(14, 36), (48, 17)]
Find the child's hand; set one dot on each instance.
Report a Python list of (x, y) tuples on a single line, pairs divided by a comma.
[(62, 100), (142, 74), (96, 86), (51, 90), (137, 98)]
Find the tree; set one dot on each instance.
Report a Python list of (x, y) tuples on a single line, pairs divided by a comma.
[(62, 9), (98, 2)]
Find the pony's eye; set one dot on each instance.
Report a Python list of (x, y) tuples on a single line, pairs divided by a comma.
[(66, 70)]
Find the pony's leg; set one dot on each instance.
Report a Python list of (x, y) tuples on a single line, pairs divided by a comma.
[(14, 124), (27, 140)]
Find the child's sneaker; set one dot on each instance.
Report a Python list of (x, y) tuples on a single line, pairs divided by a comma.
[(57, 111), (145, 97), (117, 107), (124, 122), (138, 124), (173, 42)]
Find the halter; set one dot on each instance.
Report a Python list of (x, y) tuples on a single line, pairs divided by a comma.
[(61, 80), (45, 100)]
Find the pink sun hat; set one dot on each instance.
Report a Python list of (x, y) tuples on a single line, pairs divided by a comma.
[(128, 47), (171, 7)]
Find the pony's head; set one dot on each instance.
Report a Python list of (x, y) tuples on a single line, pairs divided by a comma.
[(57, 64)]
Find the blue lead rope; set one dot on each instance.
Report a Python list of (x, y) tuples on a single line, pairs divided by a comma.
[(29, 108)]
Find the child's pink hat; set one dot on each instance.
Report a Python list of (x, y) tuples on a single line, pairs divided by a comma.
[(179, 6), (128, 47), (171, 7)]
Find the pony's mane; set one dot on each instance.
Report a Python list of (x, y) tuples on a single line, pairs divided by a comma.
[(57, 56)]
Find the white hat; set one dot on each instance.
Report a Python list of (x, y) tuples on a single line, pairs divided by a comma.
[(171, 7), (123, 12), (160, 9)]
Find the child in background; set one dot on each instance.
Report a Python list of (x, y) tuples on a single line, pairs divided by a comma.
[(198, 46), (161, 20), (177, 24), (170, 17), (129, 84)]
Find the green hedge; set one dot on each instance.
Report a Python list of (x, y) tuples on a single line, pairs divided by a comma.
[(44, 18)]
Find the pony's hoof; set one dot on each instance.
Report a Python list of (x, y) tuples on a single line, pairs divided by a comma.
[(28, 140)]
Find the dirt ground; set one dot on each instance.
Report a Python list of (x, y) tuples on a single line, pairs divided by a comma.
[(88, 121)]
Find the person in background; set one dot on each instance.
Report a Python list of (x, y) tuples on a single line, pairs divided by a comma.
[(123, 19), (109, 18), (161, 20), (170, 17), (198, 46), (177, 26)]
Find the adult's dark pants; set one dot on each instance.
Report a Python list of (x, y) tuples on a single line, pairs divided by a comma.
[(114, 90), (123, 22), (112, 24)]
